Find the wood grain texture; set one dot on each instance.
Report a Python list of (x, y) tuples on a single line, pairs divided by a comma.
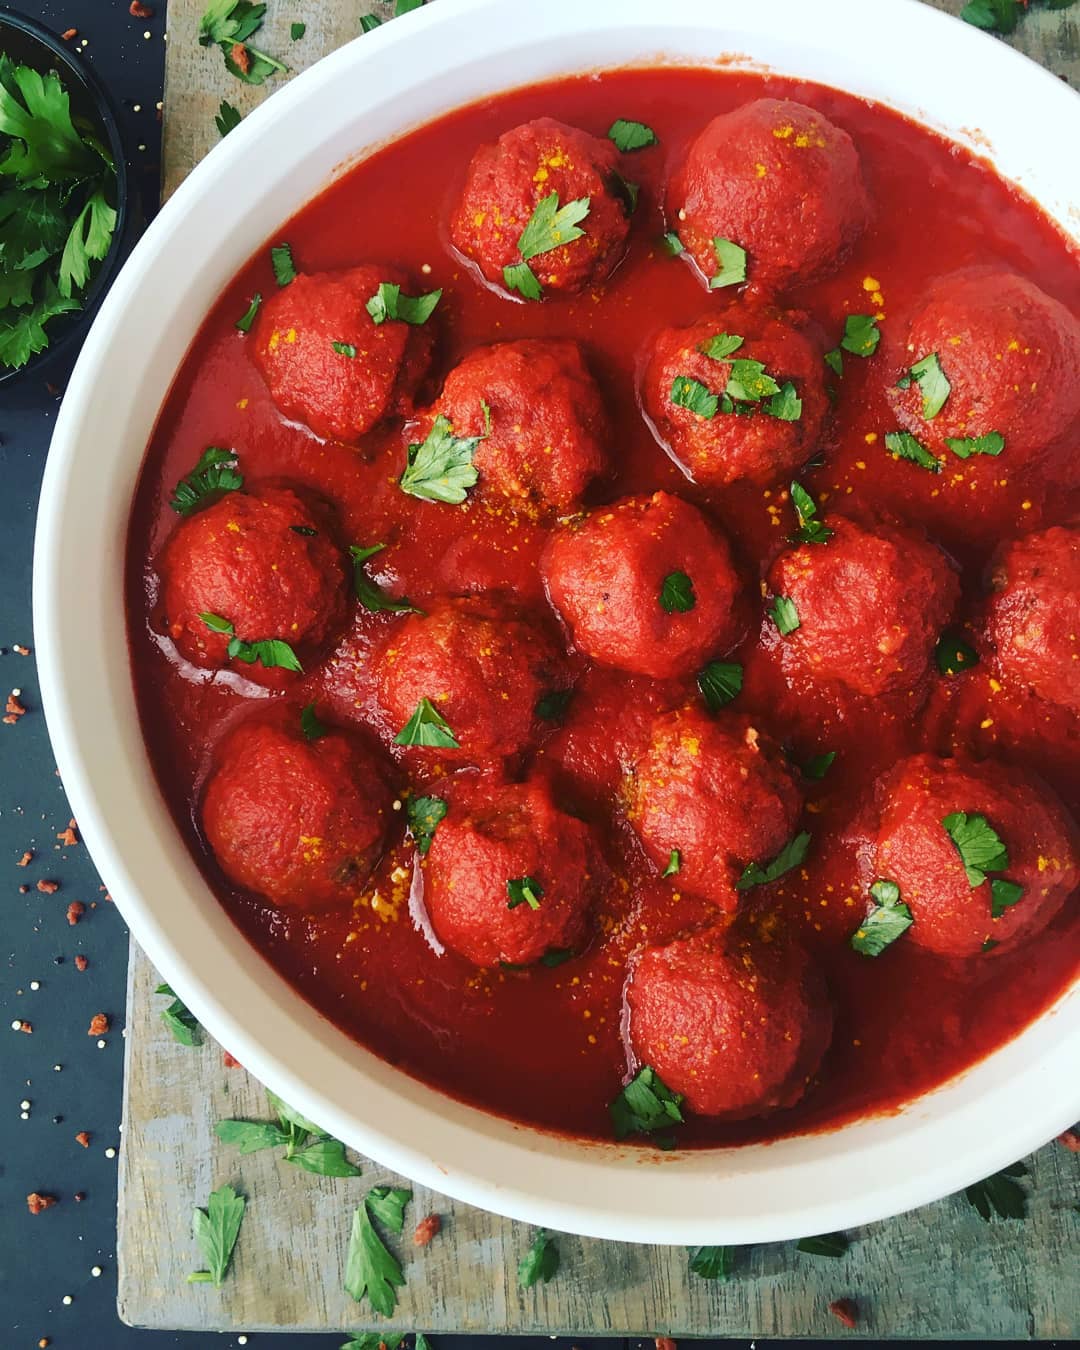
[(940, 1272)]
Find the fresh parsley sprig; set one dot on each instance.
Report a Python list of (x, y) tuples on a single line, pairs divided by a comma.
[(645, 1105), (268, 652), (790, 856), (216, 1229), (389, 303), (228, 24), (811, 530), (425, 814), (550, 226), (371, 595), (372, 1271), (180, 1021), (216, 472), (305, 1144), (540, 1262), (712, 1263), (427, 727), (887, 920), (440, 468), (1000, 1194)]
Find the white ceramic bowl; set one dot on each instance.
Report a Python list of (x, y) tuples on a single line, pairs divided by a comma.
[(898, 51)]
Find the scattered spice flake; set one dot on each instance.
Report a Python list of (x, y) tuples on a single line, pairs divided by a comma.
[(26, 859), (138, 10), (24, 890), (427, 1229), (99, 1025), (47, 887), (81, 962), (845, 1312), (241, 58), (1070, 1139), (13, 709), (230, 1061), (75, 911), (36, 1202), (665, 1343), (44, 1343), (67, 35), (19, 1025), (79, 1197), (83, 1137), (18, 647), (69, 837)]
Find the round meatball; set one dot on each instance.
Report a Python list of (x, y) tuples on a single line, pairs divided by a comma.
[(646, 585), (263, 563), (1010, 354), (301, 823), (479, 664), (540, 417), (928, 807), (736, 1024), (870, 604), (325, 360), (716, 792), (1033, 623), (509, 877), (778, 179), (742, 425), (508, 180)]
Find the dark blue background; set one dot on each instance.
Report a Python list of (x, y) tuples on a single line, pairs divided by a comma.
[(44, 1258)]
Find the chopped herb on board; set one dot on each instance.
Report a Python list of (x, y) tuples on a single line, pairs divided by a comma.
[(281, 260), (784, 614), (427, 727), (933, 384), (246, 319), (811, 530), (903, 445), (731, 265), (1000, 1194), (677, 594), (268, 652), (712, 1263), (965, 446), (425, 814), (686, 392), (227, 118), (387, 1205), (441, 469), (181, 1023), (389, 303), (310, 726), (828, 1244), (369, 22), (406, 7), (306, 1146), (370, 595), (646, 1104), (297, 31), (524, 891), (953, 655), (228, 24), (216, 1229), (540, 1262), (996, 16), (372, 1271), (720, 682), (550, 226), (790, 856), (629, 135), (216, 472), (885, 922)]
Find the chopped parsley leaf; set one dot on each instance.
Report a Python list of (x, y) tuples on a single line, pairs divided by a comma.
[(227, 118), (425, 814), (720, 682), (677, 594), (933, 384), (215, 472), (818, 766), (731, 265), (427, 727), (748, 381), (784, 614), (965, 446), (674, 863), (369, 22), (953, 655), (712, 1263), (885, 922), (811, 530), (371, 1270), (551, 706), (268, 652), (344, 349), (785, 405), (904, 445), (556, 956), (521, 278), (540, 1262), (550, 226), (227, 24), (628, 191), (389, 303), (281, 260), (524, 891), (181, 1022), (686, 392), (996, 16), (861, 335), (646, 1104), (1000, 1194), (672, 244), (835, 361), (406, 7), (722, 345), (828, 1244), (387, 1204), (297, 31), (310, 725), (440, 469), (216, 1229), (1003, 895), (248, 317), (370, 595), (790, 856), (989, 945), (978, 843), (631, 135)]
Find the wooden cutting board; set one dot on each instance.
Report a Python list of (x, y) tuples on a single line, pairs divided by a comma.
[(940, 1272)]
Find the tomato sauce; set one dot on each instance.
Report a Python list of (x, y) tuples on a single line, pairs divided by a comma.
[(546, 1045)]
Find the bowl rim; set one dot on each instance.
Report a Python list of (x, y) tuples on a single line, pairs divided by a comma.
[(768, 1192)]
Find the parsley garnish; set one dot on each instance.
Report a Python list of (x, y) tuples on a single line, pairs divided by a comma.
[(1000, 1194), (425, 814), (370, 595), (550, 226), (179, 1020), (406, 7), (556, 956), (646, 1104), (307, 531), (818, 766), (677, 594), (248, 317), (731, 265), (885, 922), (835, 361), (828, 1244), (789, 857), (932, 383), (269, 652), (371, 1270), (228, 24), (550, 707), (540, 1262), (227, 118), (369, 22), (426, 727), (861, 335), (441, 468), (783, 613), (811, 530), (389, 303), (953, 655), (387, 1204), (965, 446), (1003, 895), (785, 405), (978, 844), (630, 192), (996, 16), (672, 244), (310, 725), (281, 260), (712, 1263), (297, 31), (305, 1144), (686, 392), (344, 349), (904, 445), (722, 345), (748, 381), (216, 1229), (989, 944), (215, 472), (524, 891), (631, 135), (719, 683), (674, 863)]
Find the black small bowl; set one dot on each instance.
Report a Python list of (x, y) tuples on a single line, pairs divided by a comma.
[(31, 44)]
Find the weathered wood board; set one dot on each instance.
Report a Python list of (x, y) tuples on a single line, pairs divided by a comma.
[(938, 1273)]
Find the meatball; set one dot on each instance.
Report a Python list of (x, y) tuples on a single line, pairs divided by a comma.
[(509, 877), (994, 902), (325, 360), (263, 563), (717, 793), (646, 585), (778, 179), (736, 1024), (870, 605), (1033, 623), (507, 181), (1010, 354), (719, 414), (540, 417), (301, 823), (479, 664)]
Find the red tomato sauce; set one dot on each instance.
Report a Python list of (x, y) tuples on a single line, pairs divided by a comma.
[(545, 1045)]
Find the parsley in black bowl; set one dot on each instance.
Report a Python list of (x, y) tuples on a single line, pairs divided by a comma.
[(63, 196)]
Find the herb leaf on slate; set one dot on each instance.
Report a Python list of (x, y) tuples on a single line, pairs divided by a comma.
[(387, 1204), (227, 24), (227, 118)]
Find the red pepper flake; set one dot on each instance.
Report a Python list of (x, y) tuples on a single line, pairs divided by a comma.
[(229, 1061), (67, 35), (48, 887), (83, 1137), (845, 1312), (13, 708), (138, 10), (35, 1202), (665, 1343), (81, 962), (79, 1197), (1071, 1139), (44, 1343), (24, 890), (26, 859), (18, 1025), (241, 57), (99, 1025), (426, 1229), (75, 911), (69, 837), (25, 651)]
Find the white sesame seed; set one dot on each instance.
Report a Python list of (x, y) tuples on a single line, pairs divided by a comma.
[(110, 1153), (24, 1115), (142, 147), (146, 35), (102, 1044), (95, 1271), (241, 1340), (397, 804), (137, 107), (67, 1300), (35, 984), (57, 1068), (159, 106), (24, 1105), (16, 1025), (16, 693)]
